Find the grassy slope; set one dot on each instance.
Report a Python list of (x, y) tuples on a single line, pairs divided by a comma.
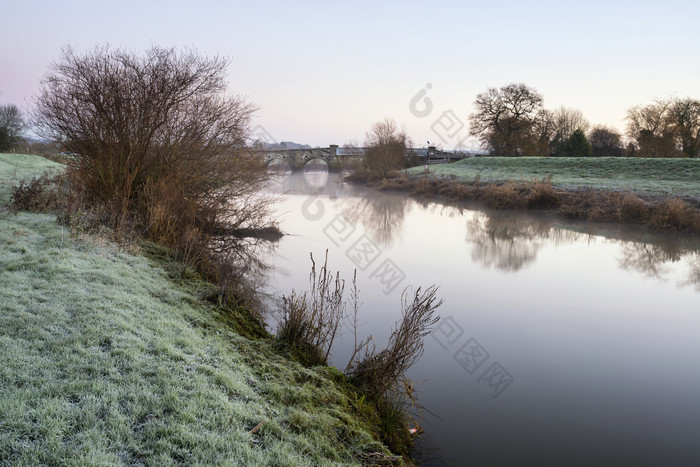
[(106, 359), (654, 176), (14, 167)]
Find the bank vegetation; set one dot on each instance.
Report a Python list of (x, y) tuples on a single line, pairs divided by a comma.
[(660, 213), (133, 332)]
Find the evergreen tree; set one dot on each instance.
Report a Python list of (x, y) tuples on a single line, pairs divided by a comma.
[(578, 145)]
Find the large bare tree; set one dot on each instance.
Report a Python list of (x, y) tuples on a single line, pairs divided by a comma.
[(506, 119)]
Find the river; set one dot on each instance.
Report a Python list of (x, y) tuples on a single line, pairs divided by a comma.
[(560, 343)]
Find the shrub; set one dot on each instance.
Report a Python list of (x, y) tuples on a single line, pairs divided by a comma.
[(38, 195), (673, 214), (631, 208), (582, 204), (456, 191), (505, 196), (143, 128), (424, 186), (381, 376), (398, 182), (158, 151), (541, 194), (309, 322), (385, 152)]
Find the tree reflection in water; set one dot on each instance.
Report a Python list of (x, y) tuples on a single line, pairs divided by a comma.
[(653, 260), (503, 240), (694, 275), (511, 242), (381, 214)]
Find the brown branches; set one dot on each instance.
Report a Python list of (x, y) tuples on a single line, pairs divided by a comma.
[(159, 147), (138, 120), (379, 372)]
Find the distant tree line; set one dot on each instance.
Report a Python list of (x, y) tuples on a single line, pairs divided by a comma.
[(512, 121)]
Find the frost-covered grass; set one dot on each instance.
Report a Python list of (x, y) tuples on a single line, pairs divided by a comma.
[(107, 359), (15, 167), (677, 177)]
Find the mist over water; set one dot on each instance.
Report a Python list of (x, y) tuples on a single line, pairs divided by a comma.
[(560, 343)]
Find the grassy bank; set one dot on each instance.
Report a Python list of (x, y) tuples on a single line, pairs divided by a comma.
[(658, 211), (677, 177), (15, 167), (111, 358)]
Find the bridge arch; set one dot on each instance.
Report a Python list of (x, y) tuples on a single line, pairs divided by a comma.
[(278, 165), (315, 164), (336, 158)]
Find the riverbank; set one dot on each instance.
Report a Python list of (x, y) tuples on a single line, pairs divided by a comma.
[(647, 177), (111, 357), (670, 203)]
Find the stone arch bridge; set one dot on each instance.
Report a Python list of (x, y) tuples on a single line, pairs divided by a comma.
[(338, 158), (335, 157)]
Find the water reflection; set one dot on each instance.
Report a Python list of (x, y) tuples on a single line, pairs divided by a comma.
[(654, 260), (314, 183), (600, 354), (694, 275), (650, 260), (502, 240), (381, 214), (511, 242)]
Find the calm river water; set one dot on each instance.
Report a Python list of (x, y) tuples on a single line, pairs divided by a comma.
[(559, 343)]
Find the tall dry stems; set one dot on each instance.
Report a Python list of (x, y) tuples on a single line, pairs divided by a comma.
[(310, 321), (376, 373)]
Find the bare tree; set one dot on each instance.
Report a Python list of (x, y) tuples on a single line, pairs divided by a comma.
[(11, 126), (506, 118), (543, 134), (153, 127), (684, 115), (606, 142), (651, 129), (385, 148), (666, 128), (566, 121)]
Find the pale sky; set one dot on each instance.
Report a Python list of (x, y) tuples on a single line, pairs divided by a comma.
[(323, 72)]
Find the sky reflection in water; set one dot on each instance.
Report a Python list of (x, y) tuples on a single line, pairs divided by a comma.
[(596, 328)]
